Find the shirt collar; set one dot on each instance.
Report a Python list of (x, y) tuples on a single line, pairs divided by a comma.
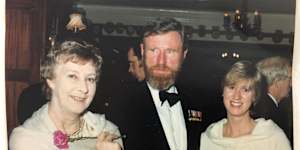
[(172, 89), (274, 100), (155, 93)]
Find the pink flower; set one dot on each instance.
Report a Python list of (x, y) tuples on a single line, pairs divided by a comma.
[(60, 140)]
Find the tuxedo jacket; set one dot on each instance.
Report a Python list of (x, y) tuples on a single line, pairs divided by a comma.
[(136, 115)]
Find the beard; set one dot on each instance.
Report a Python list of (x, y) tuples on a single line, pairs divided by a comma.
[(161, 82)]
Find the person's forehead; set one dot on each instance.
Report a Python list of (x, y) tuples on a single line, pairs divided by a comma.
[(165, 35), (131, 52), (242, 82), (132, 58), (170, 33), (169, 40), (77, 65)]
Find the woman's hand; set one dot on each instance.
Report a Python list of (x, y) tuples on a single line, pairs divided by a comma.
[(105, 141)]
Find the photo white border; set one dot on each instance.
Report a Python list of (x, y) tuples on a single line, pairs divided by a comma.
[(296, 80), (3, 124)]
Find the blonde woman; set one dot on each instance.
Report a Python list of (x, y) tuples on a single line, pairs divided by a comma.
[(239, 131)]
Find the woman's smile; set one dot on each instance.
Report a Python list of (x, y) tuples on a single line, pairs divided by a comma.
[(76, 98), (235, 103)]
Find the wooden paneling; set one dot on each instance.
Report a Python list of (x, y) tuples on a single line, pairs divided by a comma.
[(19, 33), (13, 90), (25, 40), (22, 4), (10, 107), (17, 75)]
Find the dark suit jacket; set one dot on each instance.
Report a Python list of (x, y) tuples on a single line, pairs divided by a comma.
[(285, 109), (266, 108), (136, 116)]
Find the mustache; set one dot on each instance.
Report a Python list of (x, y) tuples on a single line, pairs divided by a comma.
[(160, 67)]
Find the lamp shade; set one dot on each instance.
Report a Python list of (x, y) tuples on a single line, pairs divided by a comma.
[(75, 22)]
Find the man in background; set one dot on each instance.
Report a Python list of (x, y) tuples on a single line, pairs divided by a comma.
[(278, 74), (136, 67)]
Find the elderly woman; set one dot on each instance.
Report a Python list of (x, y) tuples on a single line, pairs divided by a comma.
[(71, 71), (241, 89)]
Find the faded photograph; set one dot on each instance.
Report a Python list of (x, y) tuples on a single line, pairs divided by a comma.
[(142, 74)]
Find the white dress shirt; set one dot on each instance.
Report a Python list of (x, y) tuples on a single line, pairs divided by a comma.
[(274, 100), (172, 120)]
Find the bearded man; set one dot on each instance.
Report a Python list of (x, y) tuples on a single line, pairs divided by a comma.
[(156, 114)]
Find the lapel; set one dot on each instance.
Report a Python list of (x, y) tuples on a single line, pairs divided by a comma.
[(151, 121), (185, 106), (185, 109), (271, 104), (273, 111), (193, 128)]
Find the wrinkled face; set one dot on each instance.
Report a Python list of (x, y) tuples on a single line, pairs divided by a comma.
[(238, 98), (285, 85), (163, 55), (135, 67), (73, 86)]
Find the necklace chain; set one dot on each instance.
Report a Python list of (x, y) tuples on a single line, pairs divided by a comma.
[(76, 133)]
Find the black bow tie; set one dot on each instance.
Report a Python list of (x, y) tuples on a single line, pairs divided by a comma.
[(172, 98)]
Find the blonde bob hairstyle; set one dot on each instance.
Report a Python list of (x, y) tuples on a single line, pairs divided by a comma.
[(244, 70)]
